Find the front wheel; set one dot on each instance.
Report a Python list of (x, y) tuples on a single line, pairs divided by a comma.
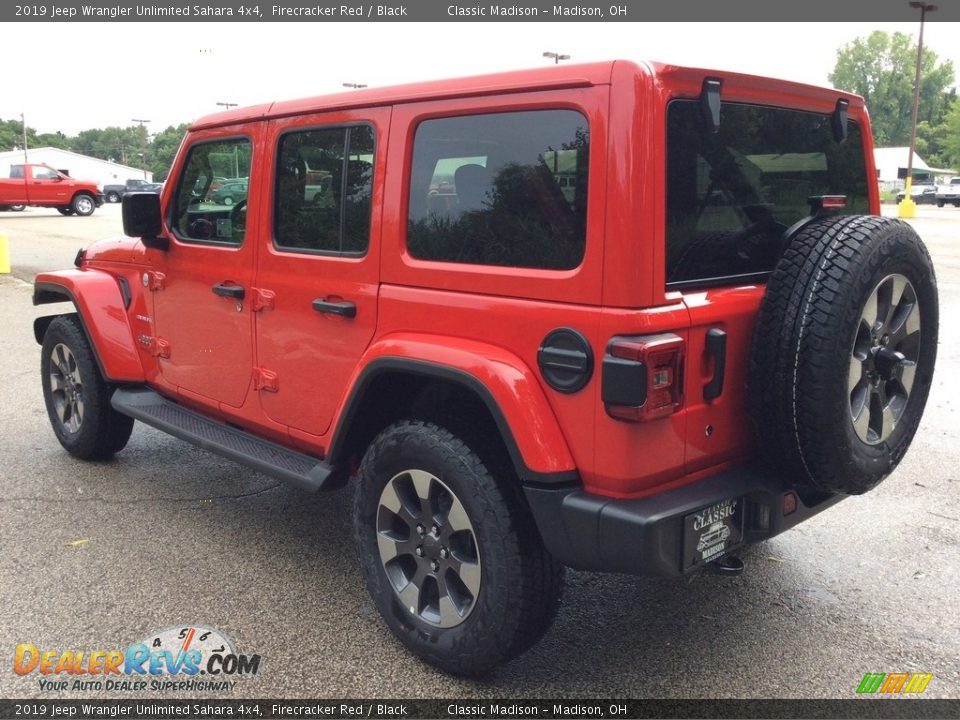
[(76, 395), (65, 210), (450, 555), (83, 205), (113, 197)]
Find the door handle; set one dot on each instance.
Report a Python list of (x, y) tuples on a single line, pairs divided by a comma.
[(229, 291), (716, 348), (343, 308)]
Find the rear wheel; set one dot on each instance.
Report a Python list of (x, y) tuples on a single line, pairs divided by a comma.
[(83, 205), (113, 197), (77, 397), (844, 350), (451, 556)]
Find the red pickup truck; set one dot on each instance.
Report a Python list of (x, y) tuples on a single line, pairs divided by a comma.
[(43, 186)]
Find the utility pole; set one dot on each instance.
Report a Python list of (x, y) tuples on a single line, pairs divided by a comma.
[(908, 207), (143, 141), (226, 105), (23, 126)]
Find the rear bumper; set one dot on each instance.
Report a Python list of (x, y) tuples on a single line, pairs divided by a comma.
[(645, 537)]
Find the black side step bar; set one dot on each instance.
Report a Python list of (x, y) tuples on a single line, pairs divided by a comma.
[(307, 473)]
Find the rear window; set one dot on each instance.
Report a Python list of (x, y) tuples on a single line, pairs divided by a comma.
[(504, 189), (732, 193)]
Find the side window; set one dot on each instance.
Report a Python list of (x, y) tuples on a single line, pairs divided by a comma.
[(42, 173), (16, 171), (323, 188), (504, 189), (211, 198)]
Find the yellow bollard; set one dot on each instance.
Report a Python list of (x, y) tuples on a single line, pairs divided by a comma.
[(4, 256)]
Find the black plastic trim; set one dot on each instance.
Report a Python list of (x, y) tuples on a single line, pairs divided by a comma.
[(125, 291), (716, 347), (712, 282), (236, 292), (624, 381), (148, 406), (565, 359), (838, 121), (442, 372), (47, 293), (344, 309), (710, 103), (645, 537)]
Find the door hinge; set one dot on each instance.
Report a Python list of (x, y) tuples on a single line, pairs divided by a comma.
[(263, 299), (266, 380), (154, 280)]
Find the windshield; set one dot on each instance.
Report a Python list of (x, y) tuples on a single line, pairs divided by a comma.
[(732, 193)]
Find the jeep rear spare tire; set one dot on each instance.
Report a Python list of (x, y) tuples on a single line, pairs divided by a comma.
[(843, 352)]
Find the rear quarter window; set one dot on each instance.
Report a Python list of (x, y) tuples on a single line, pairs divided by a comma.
[(506, 189)]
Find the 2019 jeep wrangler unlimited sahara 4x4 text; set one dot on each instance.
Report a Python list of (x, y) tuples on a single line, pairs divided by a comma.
[(616, 317)]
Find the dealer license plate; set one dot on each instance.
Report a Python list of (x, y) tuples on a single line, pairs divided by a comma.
[(712, 531)]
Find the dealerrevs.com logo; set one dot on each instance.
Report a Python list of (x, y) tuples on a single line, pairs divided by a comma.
[(182, 658)]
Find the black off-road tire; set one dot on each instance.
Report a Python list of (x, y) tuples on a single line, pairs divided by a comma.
[(79, 405), (808, 343), (520, 583)]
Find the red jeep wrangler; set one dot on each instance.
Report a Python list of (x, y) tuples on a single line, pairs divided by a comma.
[(616, 317)]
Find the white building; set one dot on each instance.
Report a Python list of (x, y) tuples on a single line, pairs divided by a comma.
[(81, 167), (890, 160)]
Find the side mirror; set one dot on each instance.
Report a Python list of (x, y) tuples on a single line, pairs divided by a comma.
[(141, 219)]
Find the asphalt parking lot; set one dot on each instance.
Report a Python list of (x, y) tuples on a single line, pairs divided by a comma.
[(98, 556)]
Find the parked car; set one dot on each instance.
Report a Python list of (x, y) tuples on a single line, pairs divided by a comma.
[(43, 186), (949, 193), (922, 194), (228, 192), (704, 336), (115, 193)]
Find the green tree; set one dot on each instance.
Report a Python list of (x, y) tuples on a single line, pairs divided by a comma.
[(951, 141), (163, 149), (881, 68), (11, 135)]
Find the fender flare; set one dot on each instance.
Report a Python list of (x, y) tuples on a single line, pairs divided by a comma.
[(505, 385), (102, 308)]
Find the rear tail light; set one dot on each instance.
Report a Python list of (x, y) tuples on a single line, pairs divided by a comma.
[(643, 377)]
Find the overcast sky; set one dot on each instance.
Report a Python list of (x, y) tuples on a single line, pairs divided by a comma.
[(72, 77)]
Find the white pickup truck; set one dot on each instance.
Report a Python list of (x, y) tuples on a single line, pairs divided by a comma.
[(949, 193)]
